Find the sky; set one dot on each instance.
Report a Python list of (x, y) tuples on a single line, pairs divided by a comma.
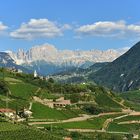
[(69, 24)]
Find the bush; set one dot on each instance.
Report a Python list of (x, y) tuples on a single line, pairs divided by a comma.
[(75, 135), (3, 87), (92, 109)]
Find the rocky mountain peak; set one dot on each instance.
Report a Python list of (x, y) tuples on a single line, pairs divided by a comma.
[(50, 54), (45, 47)]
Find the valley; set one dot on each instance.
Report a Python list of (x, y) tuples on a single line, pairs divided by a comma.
[(92, 109), (69, 70)]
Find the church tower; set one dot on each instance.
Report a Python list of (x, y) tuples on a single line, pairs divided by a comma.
[(35, 74)]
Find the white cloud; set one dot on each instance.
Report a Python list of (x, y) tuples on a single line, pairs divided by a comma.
[(37, 28), (66, 27), (2, 27), (109, 29)]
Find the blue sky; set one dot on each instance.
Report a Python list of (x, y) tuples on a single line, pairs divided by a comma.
[(69, 24)]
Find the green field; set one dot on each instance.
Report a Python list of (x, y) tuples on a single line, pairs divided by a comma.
[(89, 124), (20, 93), (135, 127), (132, 99), (94, 123), (9, 131), (133, 105), (12, 80), (128, 118), (124, 127), (45, 94), (106, 101), (131, 95), (23, 90), (2, 103), (44, 112), (87, 99), (5, 126)]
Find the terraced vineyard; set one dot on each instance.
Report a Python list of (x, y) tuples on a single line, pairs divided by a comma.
[(95, 123), (128, 123), (44, 112), (9, 131), (127, 128), (93, 110)]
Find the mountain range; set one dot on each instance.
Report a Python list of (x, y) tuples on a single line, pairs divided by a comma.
[(123, 74), (47, 59)]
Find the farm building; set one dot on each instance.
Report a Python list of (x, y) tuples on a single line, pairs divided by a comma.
[(8, 112), (60, 102), (23, 113)]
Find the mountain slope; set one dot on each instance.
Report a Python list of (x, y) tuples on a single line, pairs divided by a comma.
[(122, 74), (77, 75), (97, 104), (7, 61), (41, 88), (44, 68)]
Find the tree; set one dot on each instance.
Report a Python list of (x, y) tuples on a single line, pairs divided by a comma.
[(51, 80), (3, 87), (75, 98)]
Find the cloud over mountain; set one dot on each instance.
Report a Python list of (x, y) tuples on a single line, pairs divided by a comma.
[(37, 28), (44, 28)]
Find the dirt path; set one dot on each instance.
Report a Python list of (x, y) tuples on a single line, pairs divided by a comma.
[(77, 119), (106, 124), (85, 117), (121, 117), (129, 122), (108, 121), (108, 113), (134, 113), (40, 120), (130, 113), (85, 130), (122, 101), (93, 130)]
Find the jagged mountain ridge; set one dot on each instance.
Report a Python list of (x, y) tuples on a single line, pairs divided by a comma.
[(123, 74), (50, 54), (47, 59)]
